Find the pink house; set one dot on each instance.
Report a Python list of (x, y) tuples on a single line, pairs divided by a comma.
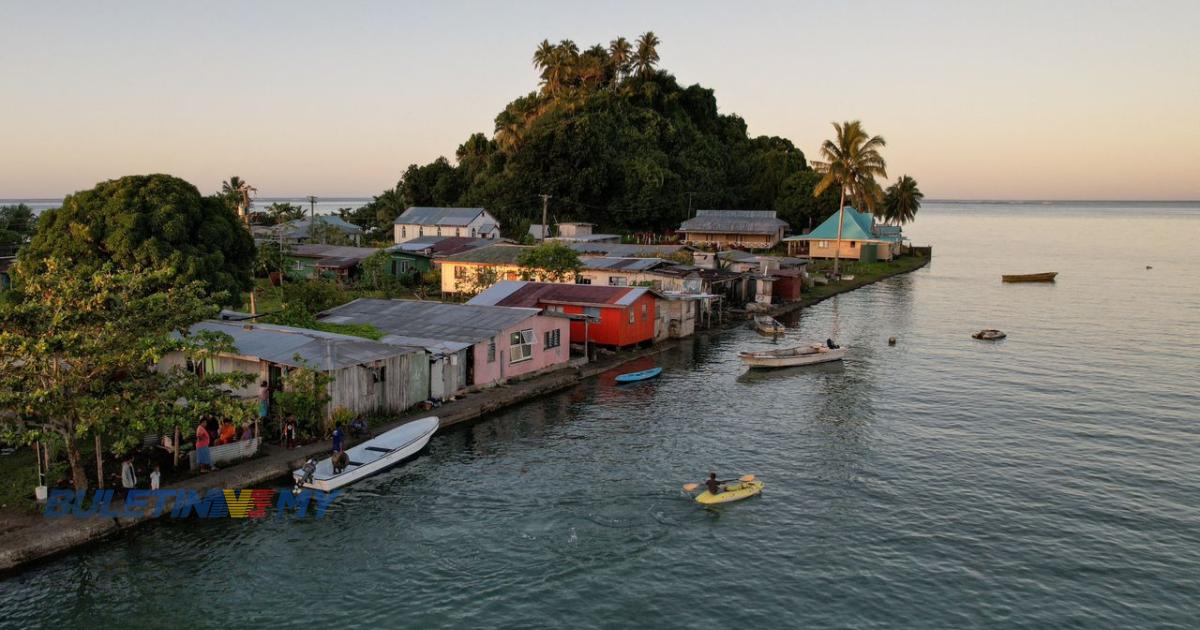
[(468, 345)]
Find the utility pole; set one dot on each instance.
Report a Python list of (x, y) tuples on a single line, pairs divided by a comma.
[(312, 218), (545, 204)]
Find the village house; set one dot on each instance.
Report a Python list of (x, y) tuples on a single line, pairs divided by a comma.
[(314, 261), (573, 232), (6, 264), (862, 239), (616, 316), (417, 221), (468, 345), (753, 229), (634, 250), (461, 272), (414, 257), (307, 230), (619, 272), (367, 375)]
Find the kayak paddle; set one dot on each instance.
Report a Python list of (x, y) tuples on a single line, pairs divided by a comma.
[(688, 487)]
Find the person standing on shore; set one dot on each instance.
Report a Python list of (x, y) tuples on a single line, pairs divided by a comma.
[(128, 475), (264, 400), (203, 456), (289, 432), (155, 478)]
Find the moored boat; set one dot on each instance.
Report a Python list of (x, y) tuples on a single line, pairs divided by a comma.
[(789, 357), (633, 377), (769, 326), (374, 455), (1030, 277), (989, 334)]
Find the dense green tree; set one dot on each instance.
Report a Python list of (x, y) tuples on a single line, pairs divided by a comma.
[(149, 221), (282, 212), (851, 161), (76, 348), (901, 201), (615, 141), (17, 224), (550, 262)]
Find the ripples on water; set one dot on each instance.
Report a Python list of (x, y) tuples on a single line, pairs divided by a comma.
[(1047, 480)]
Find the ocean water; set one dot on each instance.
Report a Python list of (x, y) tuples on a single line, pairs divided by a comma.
[(1049, 480)]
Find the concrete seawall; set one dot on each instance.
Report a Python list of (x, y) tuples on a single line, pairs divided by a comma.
[(41, 539)]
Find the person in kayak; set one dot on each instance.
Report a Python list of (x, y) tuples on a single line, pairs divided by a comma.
[(714, 486)]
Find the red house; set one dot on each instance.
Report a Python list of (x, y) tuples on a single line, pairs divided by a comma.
[(619, 316)]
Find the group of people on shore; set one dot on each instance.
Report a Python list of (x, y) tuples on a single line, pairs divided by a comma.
[(211, 432)]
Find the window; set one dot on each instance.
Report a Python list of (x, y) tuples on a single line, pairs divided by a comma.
[(403, 232), (618, 281), (645, 312), (582, 280), (592, 312), (632, 316), (822, 243), (520, 346), (553, 338), (298, 265), (492, 350), (460, 272), (853, 244)]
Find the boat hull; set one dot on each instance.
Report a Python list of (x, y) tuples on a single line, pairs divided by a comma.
[(733, 492), (376, 455), (1030, 277), (633, 377), (768, 326), (781, 359)]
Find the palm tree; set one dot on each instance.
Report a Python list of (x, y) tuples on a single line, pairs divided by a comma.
[(647, 54), (237, 191), (620, 52), (852, 161), (902, 200)]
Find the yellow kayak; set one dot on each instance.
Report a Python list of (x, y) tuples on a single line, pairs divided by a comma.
[(734, 491)]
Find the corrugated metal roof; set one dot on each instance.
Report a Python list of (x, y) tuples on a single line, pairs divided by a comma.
[(492, 254), (441, 245), (299, 228), (621, 264), (531, 294), (436, 322), (856, 226), (734, 222), (314, 250), (627, 250), (420, 215), (315, 348)]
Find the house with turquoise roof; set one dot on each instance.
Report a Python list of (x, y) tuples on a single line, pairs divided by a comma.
[(862, 239)]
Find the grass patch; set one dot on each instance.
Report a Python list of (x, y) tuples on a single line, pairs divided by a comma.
[(864, 273)]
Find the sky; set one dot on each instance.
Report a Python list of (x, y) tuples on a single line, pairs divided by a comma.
[(977, 100)]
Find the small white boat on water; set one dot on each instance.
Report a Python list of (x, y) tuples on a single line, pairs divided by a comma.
[(790, 357), (376, 454)]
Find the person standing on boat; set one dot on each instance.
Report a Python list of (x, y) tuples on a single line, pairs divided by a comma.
[(339, 455)]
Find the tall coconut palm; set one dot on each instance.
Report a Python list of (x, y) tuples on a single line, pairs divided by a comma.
[(238, 191), (647, 54), (902, 200), (620, 52), (852, 161)]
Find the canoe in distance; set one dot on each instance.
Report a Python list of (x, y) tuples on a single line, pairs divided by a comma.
[(1030, 277)]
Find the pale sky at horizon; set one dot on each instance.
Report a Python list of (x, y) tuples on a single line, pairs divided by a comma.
[(1016, 100)]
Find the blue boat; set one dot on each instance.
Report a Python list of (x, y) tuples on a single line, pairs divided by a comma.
[(632, 377)]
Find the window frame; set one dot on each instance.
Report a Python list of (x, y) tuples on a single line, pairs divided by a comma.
[(522, 351)]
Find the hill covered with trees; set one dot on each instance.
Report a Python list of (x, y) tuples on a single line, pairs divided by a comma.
[(616, 141)]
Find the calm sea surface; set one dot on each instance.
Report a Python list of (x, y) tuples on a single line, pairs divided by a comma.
[(1050, 480)]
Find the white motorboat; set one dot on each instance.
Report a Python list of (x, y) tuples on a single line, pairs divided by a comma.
[(376, 454), (790, 357)]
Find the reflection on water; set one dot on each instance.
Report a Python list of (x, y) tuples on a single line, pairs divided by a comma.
[(1048, 481)]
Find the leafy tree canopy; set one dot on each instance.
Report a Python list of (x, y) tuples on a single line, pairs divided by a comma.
[(550, 262), (616, 141), (17, 224), (76, 350), (150, 221)]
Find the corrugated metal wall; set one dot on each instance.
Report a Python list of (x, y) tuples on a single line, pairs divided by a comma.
[(405, 383)]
